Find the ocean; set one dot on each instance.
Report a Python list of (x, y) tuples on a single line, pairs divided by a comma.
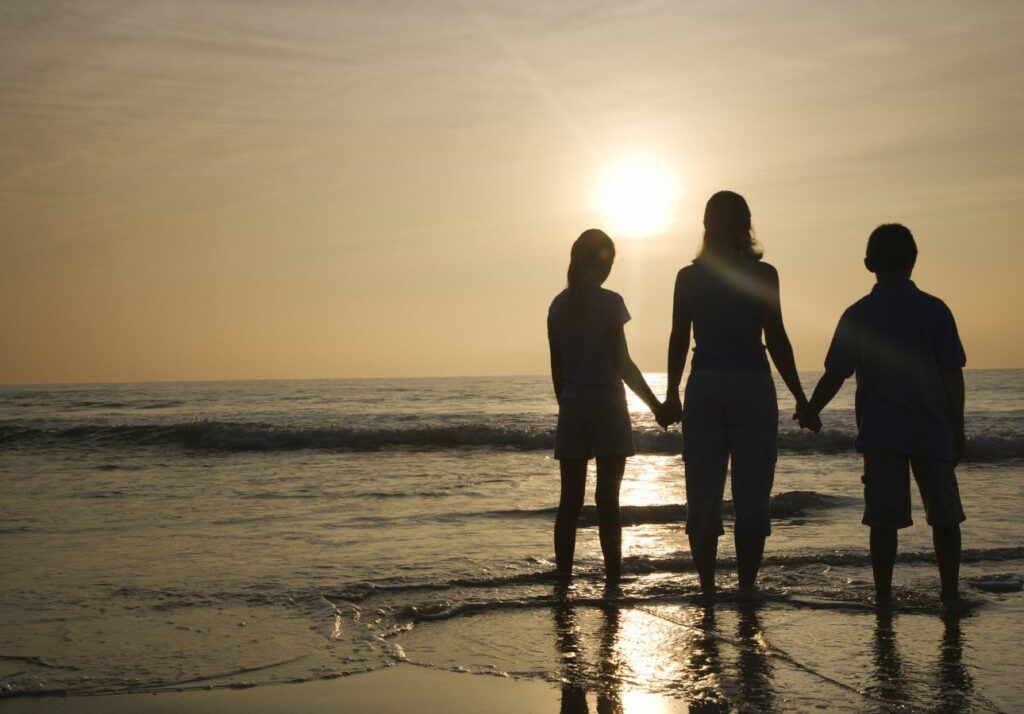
[(167, 536)]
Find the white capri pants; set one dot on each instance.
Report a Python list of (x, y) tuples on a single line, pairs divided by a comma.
[(729, 415)]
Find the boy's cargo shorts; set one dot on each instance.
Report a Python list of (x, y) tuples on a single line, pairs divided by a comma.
[(887, 490)]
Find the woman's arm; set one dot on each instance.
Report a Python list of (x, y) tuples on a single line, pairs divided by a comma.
[(678, 341), (629, 372), (557, 373), (776, 339)]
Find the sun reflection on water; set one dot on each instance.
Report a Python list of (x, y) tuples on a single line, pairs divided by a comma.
[(637, 702), (652, 479)]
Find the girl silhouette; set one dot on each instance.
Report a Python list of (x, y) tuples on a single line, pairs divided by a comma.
[(589, 363)]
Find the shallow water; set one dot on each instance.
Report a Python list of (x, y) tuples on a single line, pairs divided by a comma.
[(184, 535)]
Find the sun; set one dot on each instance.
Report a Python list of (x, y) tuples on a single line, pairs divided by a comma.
[(637, 196)]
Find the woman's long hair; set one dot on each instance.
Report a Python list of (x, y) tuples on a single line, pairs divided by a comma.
[(589, 264), (728, 233)]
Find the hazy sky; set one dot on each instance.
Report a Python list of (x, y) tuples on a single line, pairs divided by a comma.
[(222, 189)]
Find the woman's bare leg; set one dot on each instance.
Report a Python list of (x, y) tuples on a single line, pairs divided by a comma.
[(749, 552), (704, 549)]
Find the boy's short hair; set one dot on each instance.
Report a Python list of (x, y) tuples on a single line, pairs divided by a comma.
[(891, 247)]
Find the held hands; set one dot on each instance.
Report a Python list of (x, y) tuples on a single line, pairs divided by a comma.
[(671, 412), (668, 413), (807, 417)]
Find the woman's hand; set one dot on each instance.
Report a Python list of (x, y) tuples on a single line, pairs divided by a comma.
[(808, 418), (668, 413)]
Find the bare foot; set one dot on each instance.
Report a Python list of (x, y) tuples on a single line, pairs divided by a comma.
[(749, 593)]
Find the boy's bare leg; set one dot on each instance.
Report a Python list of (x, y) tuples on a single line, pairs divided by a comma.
[(947, 553), (883, 558)]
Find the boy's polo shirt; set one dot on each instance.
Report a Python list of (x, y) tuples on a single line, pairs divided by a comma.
[(898, 340)]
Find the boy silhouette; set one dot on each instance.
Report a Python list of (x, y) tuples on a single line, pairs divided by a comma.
[(904, 348)]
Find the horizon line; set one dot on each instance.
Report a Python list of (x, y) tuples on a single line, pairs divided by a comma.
[(99, 383)]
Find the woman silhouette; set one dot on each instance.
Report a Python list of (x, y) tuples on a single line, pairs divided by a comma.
[(730, 297), (589, 362)]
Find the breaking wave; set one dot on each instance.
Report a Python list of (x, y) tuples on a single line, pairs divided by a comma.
[(789, 504), (253, 436)]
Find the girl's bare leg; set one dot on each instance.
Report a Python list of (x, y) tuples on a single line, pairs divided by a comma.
[(609, 479), (574, 481)]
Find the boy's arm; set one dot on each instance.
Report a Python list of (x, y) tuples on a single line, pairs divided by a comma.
[(953, 384), (828, 386), (951, 360), (840, 363)]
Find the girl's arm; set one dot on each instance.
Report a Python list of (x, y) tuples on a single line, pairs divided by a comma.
[(776, 339), (629, 372), (678, 342)]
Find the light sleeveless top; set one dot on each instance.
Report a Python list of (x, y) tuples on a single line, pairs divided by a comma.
[(726, 302)]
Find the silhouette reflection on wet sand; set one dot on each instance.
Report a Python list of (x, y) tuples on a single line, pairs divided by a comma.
[(715, 670), (956, 687), (714, 688), (703, 683), (574, 676), (755, 665), (889, 685), (892, 686), (703, 694)]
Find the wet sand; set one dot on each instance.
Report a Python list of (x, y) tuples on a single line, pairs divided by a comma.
[(583, 654), (402, 688)]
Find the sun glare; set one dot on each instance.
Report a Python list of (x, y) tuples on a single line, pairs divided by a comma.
[(637, 196)]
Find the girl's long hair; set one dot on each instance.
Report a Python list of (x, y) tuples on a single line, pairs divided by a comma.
[(589, 262), (728, 233)]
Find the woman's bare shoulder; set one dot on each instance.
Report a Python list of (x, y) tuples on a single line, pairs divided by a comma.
[(766, 270)]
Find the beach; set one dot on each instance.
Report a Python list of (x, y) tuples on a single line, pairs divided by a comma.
[(395, 689), (610, 659), (381, 545)]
